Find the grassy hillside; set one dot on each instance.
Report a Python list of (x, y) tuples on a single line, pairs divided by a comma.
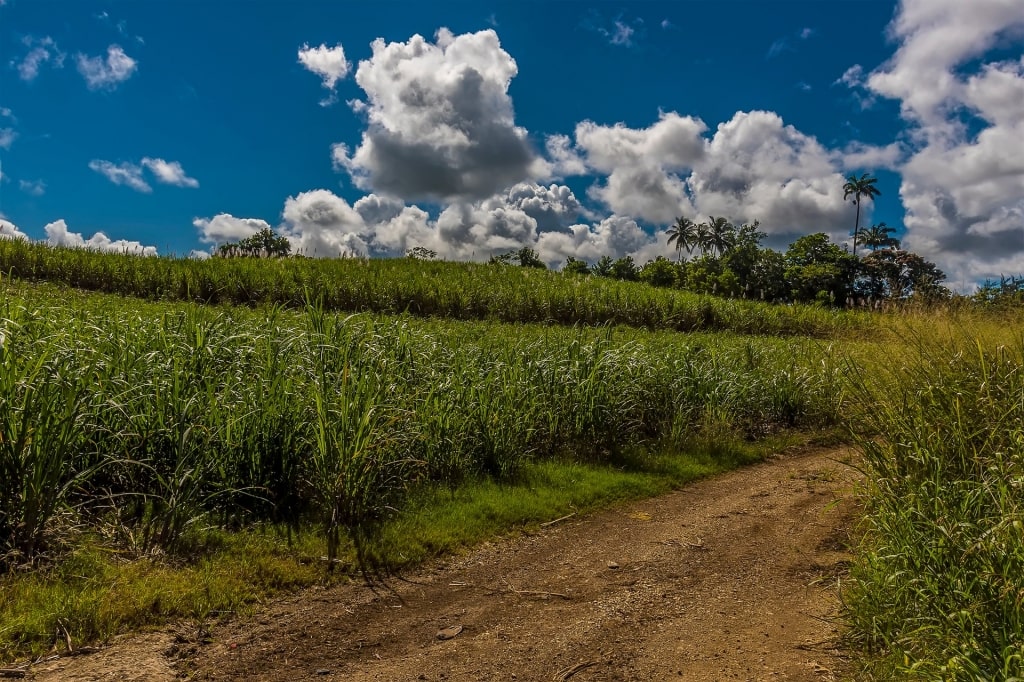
[(463, 291), (162, 458), (151, 428)]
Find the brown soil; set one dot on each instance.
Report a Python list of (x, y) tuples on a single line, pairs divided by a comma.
[(729, 578)]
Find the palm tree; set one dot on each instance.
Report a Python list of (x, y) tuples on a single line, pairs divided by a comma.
[(877, 236), (702, 237), (859, 188), (721, 235), (684, 234)]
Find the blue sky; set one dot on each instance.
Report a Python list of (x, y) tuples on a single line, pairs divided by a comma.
[(576, 128)]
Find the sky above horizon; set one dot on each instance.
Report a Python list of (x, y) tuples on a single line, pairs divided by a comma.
[(576, 128)]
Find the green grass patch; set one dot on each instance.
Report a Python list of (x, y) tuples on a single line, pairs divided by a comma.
[(440, 521), (95, 593)]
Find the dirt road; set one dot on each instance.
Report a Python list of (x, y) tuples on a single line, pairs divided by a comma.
[(729, 578)]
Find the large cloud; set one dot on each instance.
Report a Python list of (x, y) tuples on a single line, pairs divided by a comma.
[(477, 231), (963, 187), (505, 221), (553, 207), (57, 234), (440, 121), (759, 168), (615, 236), (754, 167), (641, 164), (320, 223)]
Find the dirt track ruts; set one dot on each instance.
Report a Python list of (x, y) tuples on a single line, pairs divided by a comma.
[(729, 578)]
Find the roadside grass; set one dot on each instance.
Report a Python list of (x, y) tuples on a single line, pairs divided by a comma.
[(937, 589), (99, 590), (438, 522)]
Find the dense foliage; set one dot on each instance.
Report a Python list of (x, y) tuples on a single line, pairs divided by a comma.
[(732, 263), (159, 415), (1007, 292)]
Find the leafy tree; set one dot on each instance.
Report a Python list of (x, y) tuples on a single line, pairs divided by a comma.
[(524, 257), (660, 272), (818, 270), (872, 280), (1007, 291), (421, 253), (264, 244), (575, 266), (501, 259), (900, 275), (761, 272), (859, 188), (745, 251), (603, 267), (767, 278), (625, 268), (528, 258), (878, 237), (684, 234), (709, 275)]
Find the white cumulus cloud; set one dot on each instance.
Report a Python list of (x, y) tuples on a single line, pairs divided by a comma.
[(565, 160), (759, 168), (9, 230), (106, 73), (131, 174), (963, 183), (169, 172), (506, 221), (57, 234), (127, 174), (327, 62), (320, 223), (754, 167), (440, 121), (225, 227), (615, 236), (642, 165)]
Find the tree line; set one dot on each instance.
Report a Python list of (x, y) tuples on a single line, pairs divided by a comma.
[(726, 259)]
